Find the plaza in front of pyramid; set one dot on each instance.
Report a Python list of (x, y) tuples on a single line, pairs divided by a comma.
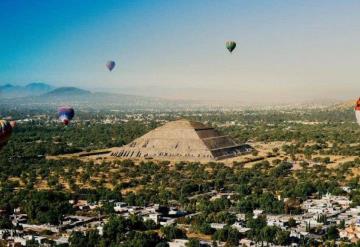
[(182, 140)]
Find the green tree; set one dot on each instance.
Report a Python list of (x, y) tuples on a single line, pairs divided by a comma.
[(46, 206), (332, 233), (171, 232), (291, 222), (193, 243)]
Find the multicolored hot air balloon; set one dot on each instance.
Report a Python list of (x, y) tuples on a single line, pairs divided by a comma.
[(230, 45), (357, 111), (110, 65), (5, 131), (66, 114)]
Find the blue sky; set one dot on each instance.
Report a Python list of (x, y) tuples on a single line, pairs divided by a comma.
[(286, 49)]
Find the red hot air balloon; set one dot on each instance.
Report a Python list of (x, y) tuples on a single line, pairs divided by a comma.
[(357, 111), (110, 65), (5, 131), (65, 114)]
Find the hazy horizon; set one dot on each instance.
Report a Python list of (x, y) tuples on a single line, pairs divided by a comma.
[(286, 51)]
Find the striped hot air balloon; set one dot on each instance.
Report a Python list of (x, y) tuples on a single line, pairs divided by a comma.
[(357, 111), (66, 114), (110, 65), (5, 131), (230, 45)]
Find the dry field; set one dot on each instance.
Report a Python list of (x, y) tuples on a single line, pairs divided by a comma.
[(108, 174)]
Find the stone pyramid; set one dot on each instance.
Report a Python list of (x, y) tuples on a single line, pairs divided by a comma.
[(182, 140)]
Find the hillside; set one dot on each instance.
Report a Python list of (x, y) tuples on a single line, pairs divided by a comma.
[(32, 89), (67, 91), (90, 100)]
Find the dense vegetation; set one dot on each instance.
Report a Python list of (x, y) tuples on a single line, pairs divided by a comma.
[(43, 187)]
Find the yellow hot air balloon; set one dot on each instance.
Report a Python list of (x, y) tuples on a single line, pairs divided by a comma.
[(5, 131)]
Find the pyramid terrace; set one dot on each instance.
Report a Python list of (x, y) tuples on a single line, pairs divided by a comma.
[(183, 140)]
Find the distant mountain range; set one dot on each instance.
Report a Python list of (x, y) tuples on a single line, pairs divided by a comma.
[(36, 95), (32, 89), (67, 91)]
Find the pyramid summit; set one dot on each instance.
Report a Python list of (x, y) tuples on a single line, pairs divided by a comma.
[(182, 140)]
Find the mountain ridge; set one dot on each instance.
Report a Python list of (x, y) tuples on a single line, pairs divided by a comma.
[(67, 91), (9, 90), (38, 93), (78, 97)]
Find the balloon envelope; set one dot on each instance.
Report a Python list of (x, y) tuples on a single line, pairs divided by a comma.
[(66, 114), (5, 132), (110, 65), (230, 45), (357, 111)]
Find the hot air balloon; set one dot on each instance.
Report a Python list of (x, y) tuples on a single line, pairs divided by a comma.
[(110, 65), (357, 111), (230, 45), (5, 131), (66, 114), (13, 124)]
